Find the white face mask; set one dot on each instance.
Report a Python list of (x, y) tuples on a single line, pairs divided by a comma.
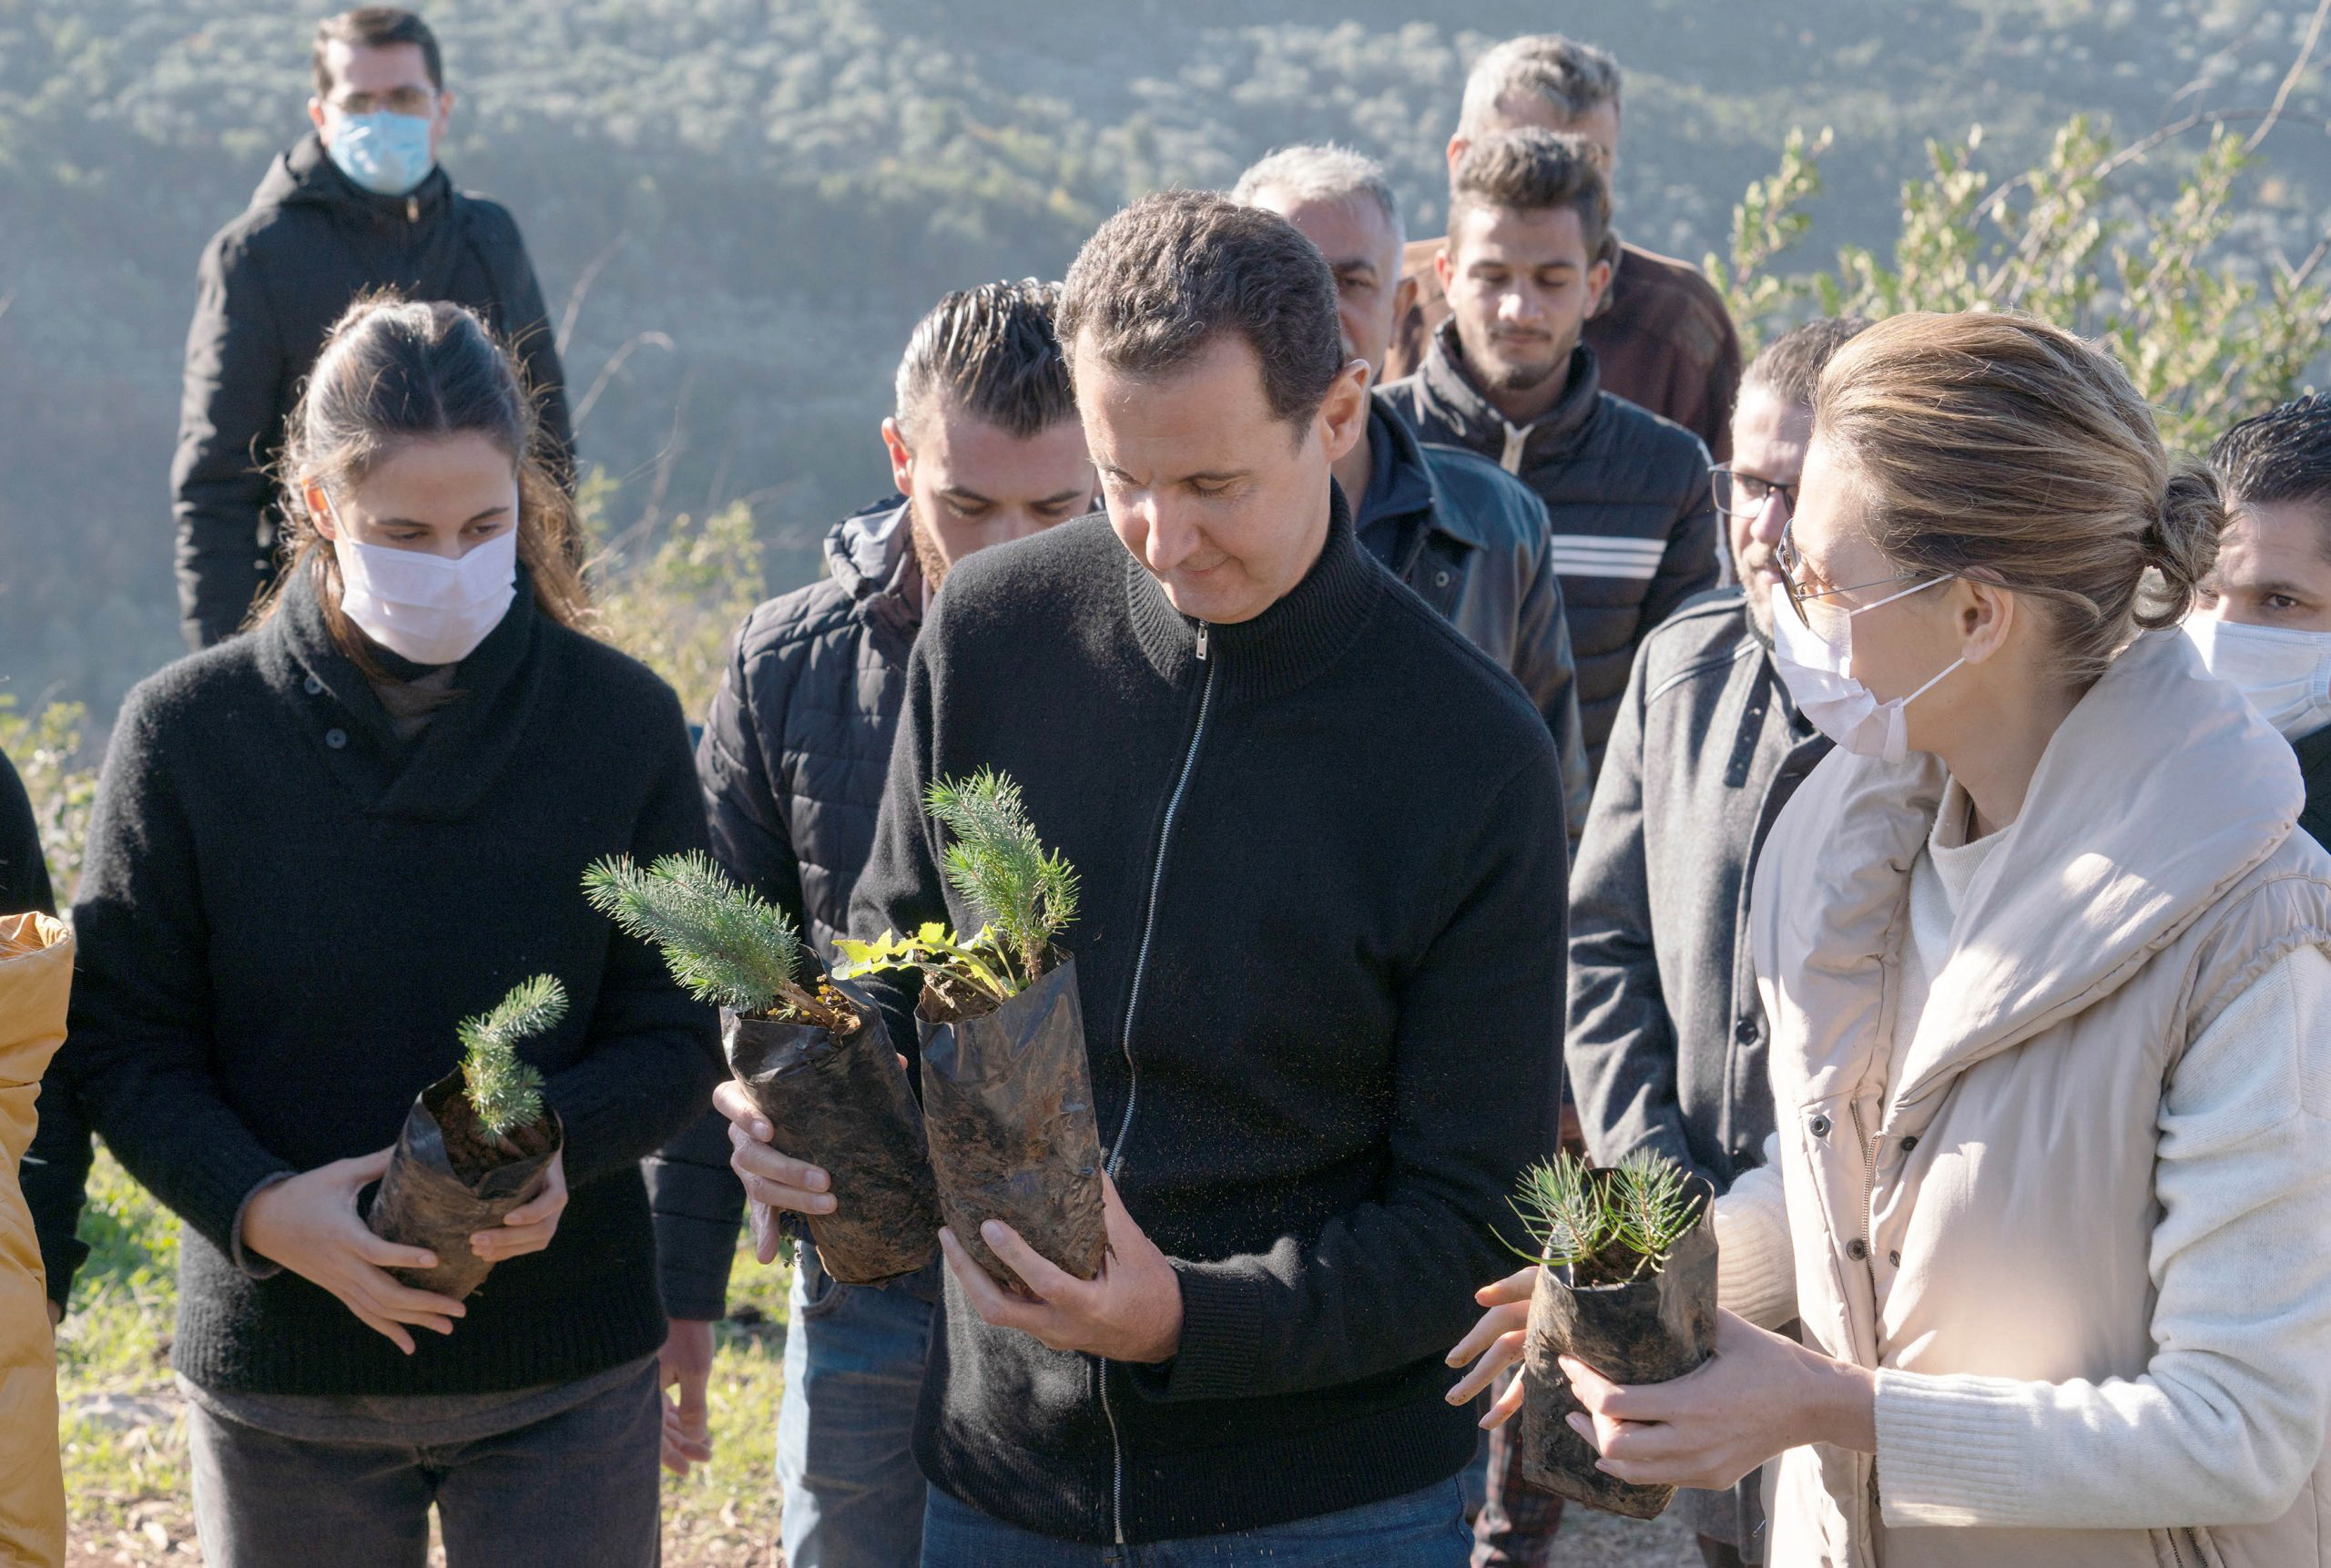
[(1817, 662), (2286, 673), (422, 606)]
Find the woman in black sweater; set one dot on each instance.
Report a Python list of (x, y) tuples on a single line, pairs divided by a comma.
[(317, 846)]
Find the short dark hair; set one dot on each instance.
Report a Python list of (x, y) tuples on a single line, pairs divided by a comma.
[(376, 27), (1172, 272), (1790, 366), (2282, 455), (1534, 170), (990, 352)]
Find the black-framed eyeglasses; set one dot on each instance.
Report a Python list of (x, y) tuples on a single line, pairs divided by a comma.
[(1739, 494), (1790, 563), (418, 102)]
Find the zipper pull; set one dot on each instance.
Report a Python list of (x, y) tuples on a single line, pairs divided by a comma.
[(413, 209), (1202, 629)]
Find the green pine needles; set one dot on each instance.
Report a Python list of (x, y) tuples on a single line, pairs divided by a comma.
[(725, 944), (997, 863), (1606, 1227), (505, 1092)]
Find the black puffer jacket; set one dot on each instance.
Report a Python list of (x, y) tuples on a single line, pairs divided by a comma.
[(2314, 763), (792, 761), (1627, 492), (272, 282)]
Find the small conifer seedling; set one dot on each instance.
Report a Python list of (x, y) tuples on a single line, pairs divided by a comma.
[(995, 860), (726, 944), (506, 1091), (1605, 1227)]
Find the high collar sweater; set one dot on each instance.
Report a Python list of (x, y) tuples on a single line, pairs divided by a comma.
[(285, 911), (1320, 957)]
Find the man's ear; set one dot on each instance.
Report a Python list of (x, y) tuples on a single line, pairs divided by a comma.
[(1343, 413), (1404, 294), (901, 460), (1598, 286), (444, 117), (316, 116), (1457, 146), (1444, 266)]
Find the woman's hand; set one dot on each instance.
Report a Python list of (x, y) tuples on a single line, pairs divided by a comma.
[(771, 1179), (1758, 1395), (529, 1226), (308, 1224), (1497, 1341)]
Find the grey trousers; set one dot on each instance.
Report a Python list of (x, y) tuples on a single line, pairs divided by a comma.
[(578, 1489)]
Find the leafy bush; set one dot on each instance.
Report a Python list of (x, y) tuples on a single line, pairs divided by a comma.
[(2209, 333), (46, 750), (671, 597)]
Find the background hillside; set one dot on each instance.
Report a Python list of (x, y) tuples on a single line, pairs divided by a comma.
[(763, 196)]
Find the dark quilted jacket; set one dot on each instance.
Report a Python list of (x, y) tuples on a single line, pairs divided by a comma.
[(1635, 531), (792, 761)]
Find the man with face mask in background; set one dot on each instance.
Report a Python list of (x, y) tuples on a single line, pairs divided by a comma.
[(1469, 537), (2266, 620), (1509, 376), (359, 204), (985, 448)]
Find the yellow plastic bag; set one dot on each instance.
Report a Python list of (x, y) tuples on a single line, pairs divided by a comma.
[(35, 981)]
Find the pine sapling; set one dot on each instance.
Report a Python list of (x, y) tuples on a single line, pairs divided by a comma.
[(726, 944), (995, 860), (504, 1091), (1605, 1227)]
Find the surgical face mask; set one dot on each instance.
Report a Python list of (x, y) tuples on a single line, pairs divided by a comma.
[(422, 606), (1816, 658), (2286, 673), (387, 154)]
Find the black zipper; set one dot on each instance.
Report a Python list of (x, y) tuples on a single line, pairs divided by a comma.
[(1125, 1042)]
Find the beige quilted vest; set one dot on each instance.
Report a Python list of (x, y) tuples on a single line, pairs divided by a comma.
[(2001, 1175)]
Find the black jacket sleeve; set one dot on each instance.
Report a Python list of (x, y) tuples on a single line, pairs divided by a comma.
[(1549, 673), (696, 1198), (1688, 567), (1620, 1046), (1475, 1099), (233, 397), (534, 336)]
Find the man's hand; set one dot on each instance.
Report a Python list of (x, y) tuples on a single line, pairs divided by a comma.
[(309, 1224), (773, 1180), (1131, 1312), (685, 1361)]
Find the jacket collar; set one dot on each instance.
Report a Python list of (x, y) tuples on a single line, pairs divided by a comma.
[(468, 741), (2072, 903), (1413, 487), (1286, 646), (1557, 433), (870, 554)]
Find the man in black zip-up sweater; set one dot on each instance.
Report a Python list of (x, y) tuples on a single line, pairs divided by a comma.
[(1319, 948)]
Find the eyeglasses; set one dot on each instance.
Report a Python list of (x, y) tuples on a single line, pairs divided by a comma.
[(418, 102), (1791, 563), (1741, 495)]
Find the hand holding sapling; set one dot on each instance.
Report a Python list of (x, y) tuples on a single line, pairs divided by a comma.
[(1130, 1311), (813, 1066), (309, 1224)]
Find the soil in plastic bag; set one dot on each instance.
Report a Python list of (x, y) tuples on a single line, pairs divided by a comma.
[(845, 1105), (1007, 1103), (446, 1181), (1649, 1330)]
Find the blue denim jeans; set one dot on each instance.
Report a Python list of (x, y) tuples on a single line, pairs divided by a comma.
[(845, 1427), (1425, 1529)]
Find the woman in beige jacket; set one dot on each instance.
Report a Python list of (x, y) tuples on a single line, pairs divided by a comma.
[(2046, 968)]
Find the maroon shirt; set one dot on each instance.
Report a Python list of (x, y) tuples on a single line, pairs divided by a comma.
[(1663, 338)]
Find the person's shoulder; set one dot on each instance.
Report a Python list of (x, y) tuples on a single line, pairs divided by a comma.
[(1047, 573), (778, 629), (1502, 509), (191, 694), (490, 217), (1670, 286), (1705, 638), (1661, 454), (617, 683), (1458, 698)]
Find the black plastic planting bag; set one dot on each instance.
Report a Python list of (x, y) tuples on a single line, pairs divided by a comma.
[(844, 1105), (1007, 1102), (1650, 1330), (446, 1182)]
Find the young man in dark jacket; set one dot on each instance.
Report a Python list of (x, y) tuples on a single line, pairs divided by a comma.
[(1508, 376), (1321, 848), (1469, 537), (1660, 330), (2265, 624), (985, 449), (359, 204), (1667, 1040)]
